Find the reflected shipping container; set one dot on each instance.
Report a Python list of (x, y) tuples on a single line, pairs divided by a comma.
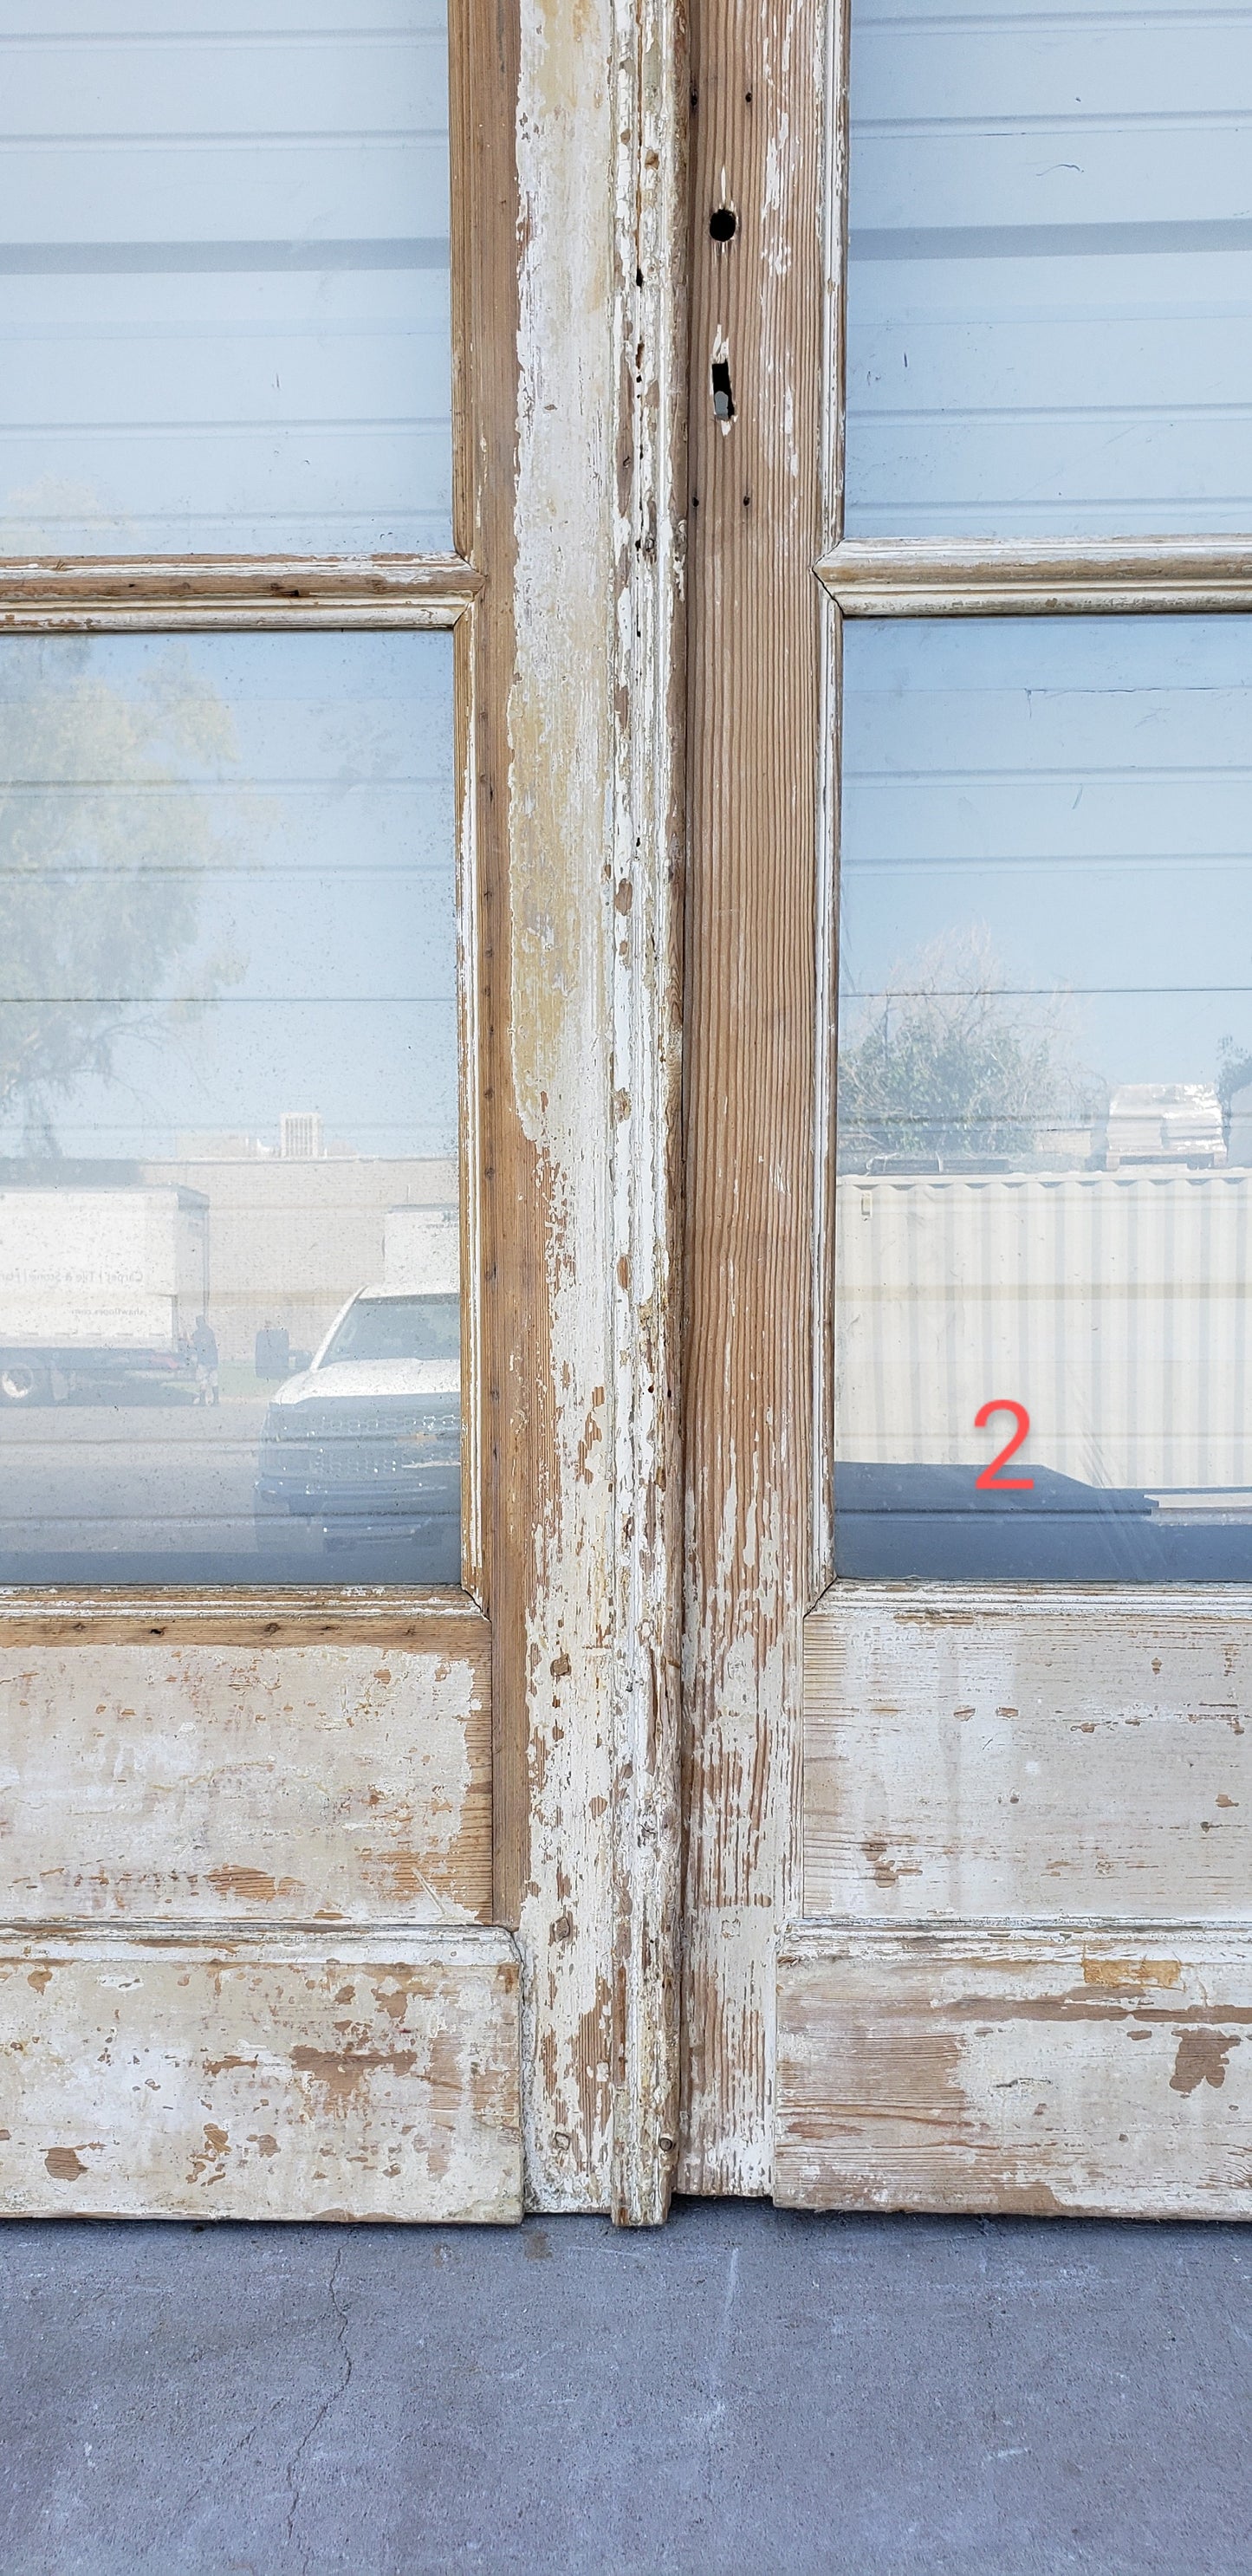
[(1113, 1307)]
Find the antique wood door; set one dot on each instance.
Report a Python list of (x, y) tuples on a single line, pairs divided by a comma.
[(969, 1499), (341, 670), (503, 1386)]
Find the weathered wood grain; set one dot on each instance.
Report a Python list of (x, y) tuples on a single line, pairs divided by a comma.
[(336, 2077), (758, 81), (541, 399), (1041, 577), (566, 377), (1090, 2069), (103, 594), (215, 1782), (1038, 1753), (649, 852), (438, 1619)]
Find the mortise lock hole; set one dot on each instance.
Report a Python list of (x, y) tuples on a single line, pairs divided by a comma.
[(723, 224), (723, 398)]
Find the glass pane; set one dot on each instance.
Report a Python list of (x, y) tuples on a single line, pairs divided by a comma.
[(1045, 1100), (229, 1345), (1050, 287), (224, 278)]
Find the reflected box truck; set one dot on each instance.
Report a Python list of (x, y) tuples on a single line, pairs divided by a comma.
[(99, 1289)]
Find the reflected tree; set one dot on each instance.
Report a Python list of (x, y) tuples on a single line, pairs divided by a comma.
[(1234, 1074), (948, 1067), (104, 840)]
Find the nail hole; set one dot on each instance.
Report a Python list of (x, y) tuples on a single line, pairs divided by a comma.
[(723, 224), (723, 399)]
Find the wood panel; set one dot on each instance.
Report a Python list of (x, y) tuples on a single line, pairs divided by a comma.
[(758, 75), (372, 2076), (1046, 1753), (228, 1781), (1089, 2069)]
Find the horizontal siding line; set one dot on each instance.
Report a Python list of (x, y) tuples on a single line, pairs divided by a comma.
[(1040, 777), (118, 40), (306, 784), (1044, 859), (1019, 993), (1004, 125), (1012, 415), (1049, 241), (1043, 1291), (290, 427), (202, 1003), (321, 138), (126, 259), (1009, 23)]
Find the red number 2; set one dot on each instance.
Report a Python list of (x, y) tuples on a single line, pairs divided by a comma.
[(989, 1482)]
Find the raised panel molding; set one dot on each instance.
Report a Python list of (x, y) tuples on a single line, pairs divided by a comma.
[(241, 2074), (1034, 1753), (1084, 2069), (193, 1763)]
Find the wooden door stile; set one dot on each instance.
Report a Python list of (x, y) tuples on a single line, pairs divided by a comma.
[(573, 407), (754, 728)]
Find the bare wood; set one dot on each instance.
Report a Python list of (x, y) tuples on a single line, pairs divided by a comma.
[(963, 577), (373, 2077), (836, 116), (650, 823), (758, 76), (470, 976), (826, 900), (440, 1620), (309, 1783), (1089, 2069), (1040, 1753), (51, 595), (564, 509)]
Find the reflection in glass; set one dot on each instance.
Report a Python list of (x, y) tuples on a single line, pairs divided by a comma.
[(1050, 281), (229, 1223), (224, 278), (1045, 1100)]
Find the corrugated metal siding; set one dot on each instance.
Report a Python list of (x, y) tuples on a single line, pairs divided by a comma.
[(1116, 1309), (224, 277), (1051, 269)]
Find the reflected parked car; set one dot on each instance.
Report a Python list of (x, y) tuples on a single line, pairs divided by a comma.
[(365, 1443)]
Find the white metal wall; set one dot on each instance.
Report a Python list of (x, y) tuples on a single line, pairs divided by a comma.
[(1114, 1308)]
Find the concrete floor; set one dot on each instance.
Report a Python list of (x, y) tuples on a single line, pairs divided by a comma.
[(746, 2391)]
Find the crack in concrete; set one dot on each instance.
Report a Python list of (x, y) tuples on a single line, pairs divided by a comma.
[(332, 2398)]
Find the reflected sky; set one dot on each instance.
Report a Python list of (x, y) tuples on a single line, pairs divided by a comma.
[(273, 819), (1079, 788)]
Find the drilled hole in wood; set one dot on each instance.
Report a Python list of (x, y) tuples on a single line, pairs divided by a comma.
[(723, 224), (723, 398)]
